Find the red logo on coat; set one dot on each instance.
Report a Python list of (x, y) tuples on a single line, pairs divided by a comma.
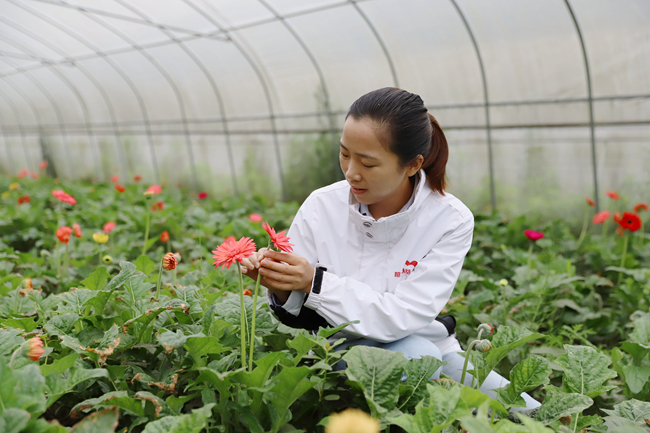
[(406, 270)]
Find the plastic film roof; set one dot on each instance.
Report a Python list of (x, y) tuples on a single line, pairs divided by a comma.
[(190, 86)]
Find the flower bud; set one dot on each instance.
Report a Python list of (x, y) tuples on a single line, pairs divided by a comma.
[(503, 282), (169, 262), (483, 346), (33, 348), (485, 329), (247, 292), (107, 259), (28, 283)]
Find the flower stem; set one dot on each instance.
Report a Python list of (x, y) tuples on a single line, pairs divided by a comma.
[(625, 240), (13, 356), (469, 350), (505, 305), (530, 254), (585, 222), (243, 321), (146, 230), (257, 289), (58, 261), (66, 261), (159, 280)]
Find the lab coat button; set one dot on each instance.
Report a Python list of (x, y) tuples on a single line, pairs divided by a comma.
[(369, 235), (367, 224)]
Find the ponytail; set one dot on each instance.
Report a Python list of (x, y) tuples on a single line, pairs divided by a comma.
[(435, 162)]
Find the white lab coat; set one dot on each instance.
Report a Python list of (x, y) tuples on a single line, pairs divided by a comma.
[(394, 275)]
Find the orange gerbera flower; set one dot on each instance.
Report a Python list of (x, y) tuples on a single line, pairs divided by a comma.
[(280, 241), (137, 178), (66, 198), (119, 187), (589, 201), (76, 228), (157, 206), (63, 233), (23, 199), (630, 221), (639, 207), (612, 194), (109, 226), (229, 253), (35, 348), (164, 236), (601, 217), (169, 262)]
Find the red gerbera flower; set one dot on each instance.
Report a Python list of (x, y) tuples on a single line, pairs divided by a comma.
[(601, 217), (630, 221), (255, 217), (203, 195), (63, 233), (533, 235), (137, 178), (612, 194), (589, 201), (119, 187), (617, 217), (164, 236), (115, 179), (280, 241), (153, 190), (66, 198), (109, 226), (23, 199), (229, 253), (639, 207), (77, 229), (158, 206)]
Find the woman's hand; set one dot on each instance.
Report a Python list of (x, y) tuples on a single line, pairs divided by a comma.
[(251, 264), (286, 272)]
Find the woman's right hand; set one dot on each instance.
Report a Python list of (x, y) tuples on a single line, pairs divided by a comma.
[(251, 264)]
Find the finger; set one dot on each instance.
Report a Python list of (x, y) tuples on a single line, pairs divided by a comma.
[(277, 276), (292, 259), (246, 265), (279, 267)]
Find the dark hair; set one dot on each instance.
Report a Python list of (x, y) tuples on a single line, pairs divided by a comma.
[(409, 130)]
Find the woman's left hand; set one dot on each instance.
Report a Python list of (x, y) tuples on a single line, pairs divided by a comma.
[(286, 271)]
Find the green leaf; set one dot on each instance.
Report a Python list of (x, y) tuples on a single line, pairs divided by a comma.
[(634, 410), (617, 424), (13, 420), (377, 372), (60, 365), (98, 422), (302, 344), (144, 264), (120, 399), (29, 390), (171, 340), (641, 332), (61, 324), (585, 370), (58, 386), (533, 426), (191, 423), (530, 373), (25, 323), (9, 340), (74, 300), (506, 340), (290, 384), (559, 404), (418, 374), (438, 415), (201, 346), (479, 423), (97, 279)]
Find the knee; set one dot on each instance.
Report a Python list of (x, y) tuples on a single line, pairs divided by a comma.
[(414, 347)]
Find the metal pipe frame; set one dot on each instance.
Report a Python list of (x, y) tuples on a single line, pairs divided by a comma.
[(592, 130), (488, 127), (68, 83)]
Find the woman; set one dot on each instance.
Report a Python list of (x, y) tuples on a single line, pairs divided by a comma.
[(385, 246)]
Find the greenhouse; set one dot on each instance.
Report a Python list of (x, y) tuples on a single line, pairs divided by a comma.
[(149, 150)]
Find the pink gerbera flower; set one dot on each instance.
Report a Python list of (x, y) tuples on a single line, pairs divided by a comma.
[(153, 190), (280, 241), (203, 195), (612, 194), (229, 253), (109, 226), (66, 198), (601, 217), (76, 228), (533, 235), (255, 217)]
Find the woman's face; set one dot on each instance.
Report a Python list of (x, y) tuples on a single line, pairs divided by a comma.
[(373, 172)]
